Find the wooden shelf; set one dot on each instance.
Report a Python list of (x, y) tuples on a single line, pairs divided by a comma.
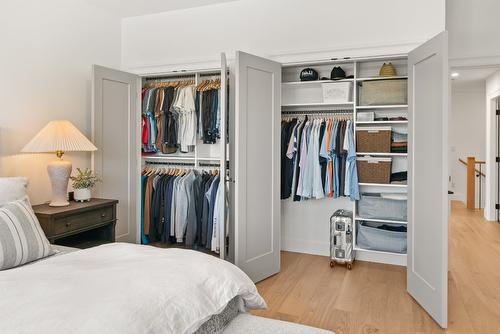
[(388, 185), (386, 106), (382, 78), (382, 154), (380, 122), (381, 220)]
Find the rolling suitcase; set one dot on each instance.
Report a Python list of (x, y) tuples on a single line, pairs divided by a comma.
[(341, 238)]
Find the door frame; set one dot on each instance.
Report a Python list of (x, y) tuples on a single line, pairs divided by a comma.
[(492, 189), (492, 171)]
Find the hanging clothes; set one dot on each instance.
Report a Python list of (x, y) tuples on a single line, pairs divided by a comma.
[(182, 207), (318, 159), (177, 113)]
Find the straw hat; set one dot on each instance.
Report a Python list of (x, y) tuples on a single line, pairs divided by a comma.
[(387, 70)]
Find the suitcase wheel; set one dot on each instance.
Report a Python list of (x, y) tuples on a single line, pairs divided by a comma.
[(332, 264)]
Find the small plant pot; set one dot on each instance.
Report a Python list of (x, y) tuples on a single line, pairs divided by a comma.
[(82, 195)]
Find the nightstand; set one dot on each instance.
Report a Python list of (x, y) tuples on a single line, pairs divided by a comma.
[(79, 225)]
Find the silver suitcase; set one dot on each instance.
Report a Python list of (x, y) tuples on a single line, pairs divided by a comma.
[(341, 238)]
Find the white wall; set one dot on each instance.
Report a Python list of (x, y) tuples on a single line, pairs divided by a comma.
[(473, 28), (45, 61), (492, 92), (277, 27), (466, 124)]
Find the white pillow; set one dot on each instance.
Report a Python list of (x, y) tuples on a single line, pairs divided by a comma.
[(22, 239), (12, 188)]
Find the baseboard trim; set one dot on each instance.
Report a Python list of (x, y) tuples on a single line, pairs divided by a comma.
[(305, 246)]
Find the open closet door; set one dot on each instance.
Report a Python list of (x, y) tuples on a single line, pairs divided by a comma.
[(256, 164), (223, 153), (427, 277), (115, 133)]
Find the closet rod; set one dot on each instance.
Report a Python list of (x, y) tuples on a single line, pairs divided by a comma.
[(172, 77), (215, 74), (312, 112), (187, 164)]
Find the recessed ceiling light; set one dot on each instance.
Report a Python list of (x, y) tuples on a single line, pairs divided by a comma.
[(455, 74)]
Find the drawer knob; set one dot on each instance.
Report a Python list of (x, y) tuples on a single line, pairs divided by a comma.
[(103, 215), (68, 224)]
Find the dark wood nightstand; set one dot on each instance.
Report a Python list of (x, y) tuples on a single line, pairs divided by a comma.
[(79, 225)]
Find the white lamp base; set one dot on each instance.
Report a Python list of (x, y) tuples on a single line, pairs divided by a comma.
[(59, 172)]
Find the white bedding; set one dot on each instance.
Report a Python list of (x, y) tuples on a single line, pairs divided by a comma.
[(120, 288)]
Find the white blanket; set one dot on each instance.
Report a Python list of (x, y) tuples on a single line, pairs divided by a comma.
[(121, 288)]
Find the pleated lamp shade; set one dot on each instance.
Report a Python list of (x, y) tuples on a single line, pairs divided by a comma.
[(59, 136)]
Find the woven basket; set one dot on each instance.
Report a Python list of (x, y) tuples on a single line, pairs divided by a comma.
[(387, 70), (381, 92), (374, 170), (373, 139)]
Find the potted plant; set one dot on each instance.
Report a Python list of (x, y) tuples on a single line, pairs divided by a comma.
[(82, 183)]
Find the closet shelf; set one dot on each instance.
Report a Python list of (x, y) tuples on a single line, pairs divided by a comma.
[(382, 78), (380, 122), (168, 157), (293, 83), (388, 185), (381, 220), (316, 104), (208, 158), (382, 154), (386, 106), (357, 248)]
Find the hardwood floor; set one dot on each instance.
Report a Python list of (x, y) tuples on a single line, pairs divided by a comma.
[(372, 298)]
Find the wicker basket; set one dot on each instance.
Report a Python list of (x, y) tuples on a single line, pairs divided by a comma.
[(374, 170), (387, 70), (383, 92), (373, 139)]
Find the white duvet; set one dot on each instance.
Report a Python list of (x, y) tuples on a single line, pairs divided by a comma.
[(120, 288)]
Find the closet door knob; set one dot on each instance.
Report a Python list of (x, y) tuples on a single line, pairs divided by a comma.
[(68, 224)]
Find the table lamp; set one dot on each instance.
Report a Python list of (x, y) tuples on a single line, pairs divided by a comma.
[(59, 137)]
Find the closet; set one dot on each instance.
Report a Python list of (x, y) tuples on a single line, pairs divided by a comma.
[(261, 94), (375, 118), (173, 126)]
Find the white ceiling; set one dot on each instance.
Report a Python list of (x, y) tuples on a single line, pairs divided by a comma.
[(128, 8), (473, 75)]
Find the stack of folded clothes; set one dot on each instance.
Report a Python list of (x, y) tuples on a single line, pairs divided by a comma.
[(399, 142), (399, 177)]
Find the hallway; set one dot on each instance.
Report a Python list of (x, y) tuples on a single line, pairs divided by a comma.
[(372, 297)]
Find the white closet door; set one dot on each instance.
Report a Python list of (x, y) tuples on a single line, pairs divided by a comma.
[(427, 278), (223, 144), (115, 132), (257, 165)]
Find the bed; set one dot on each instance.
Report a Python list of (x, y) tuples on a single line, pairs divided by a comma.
[(119, 287), (126, 288)]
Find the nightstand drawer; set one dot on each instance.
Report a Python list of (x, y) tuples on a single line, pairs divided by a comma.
[(82, 220)]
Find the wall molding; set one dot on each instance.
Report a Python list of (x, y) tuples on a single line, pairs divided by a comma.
[(283, 56), (475, 62), (305, 246)]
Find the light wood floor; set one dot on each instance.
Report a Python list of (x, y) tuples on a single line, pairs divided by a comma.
[(372, 298)]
